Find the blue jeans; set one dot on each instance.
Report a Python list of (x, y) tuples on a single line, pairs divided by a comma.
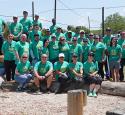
[(23, 79), (2, 72)]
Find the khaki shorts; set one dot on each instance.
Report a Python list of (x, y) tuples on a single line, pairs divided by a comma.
[(114, 65)]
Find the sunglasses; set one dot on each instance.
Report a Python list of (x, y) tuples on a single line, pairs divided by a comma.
[(25, 57)]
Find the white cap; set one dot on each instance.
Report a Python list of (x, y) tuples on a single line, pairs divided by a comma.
[(61, 55)]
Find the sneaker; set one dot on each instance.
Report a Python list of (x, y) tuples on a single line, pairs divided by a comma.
[(94, 94), (90, 94)]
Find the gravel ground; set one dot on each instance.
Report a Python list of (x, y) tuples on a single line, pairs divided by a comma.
[(14, 103)]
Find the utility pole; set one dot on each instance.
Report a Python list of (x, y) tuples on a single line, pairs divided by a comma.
[(55, 10), (103, 21), (33, 10), (89, 24)]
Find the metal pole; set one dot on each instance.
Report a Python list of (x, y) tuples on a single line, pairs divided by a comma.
[(103, 21), (33, 10), (89, 23), (55, 9)]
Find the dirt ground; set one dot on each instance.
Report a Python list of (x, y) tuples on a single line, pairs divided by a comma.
[(14, 103)]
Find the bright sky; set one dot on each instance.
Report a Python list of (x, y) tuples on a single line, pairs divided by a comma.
[(66, 17)]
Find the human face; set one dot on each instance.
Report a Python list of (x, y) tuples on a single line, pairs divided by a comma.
[(74, 42), (123, 35), (81, 34), (25, 15), (15, 19), (23, 38), (96, 39), (114, 40), (44, 59), (53, 38), (47, 43), (61, 59), (91, 36), (90, 58), (74, 59), (62, 40), (10, 37), (24, 58)]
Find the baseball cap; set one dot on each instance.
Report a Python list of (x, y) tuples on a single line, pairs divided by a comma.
[(82, 31), (53, 36), (108, 29), (91, 54), (61, 55)]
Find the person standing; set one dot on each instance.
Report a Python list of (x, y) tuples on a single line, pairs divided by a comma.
[(16, 28), (10, 55), (27, 23), (53, 28)]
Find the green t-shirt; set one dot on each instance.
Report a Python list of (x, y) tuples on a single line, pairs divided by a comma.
[(22, 48), (31, 35), (120, 41), (36, 48), (86, 48), (77, 49), (91, 42), (1, 26), (62, 67), (42, 69), (45, 50), (58, 35), (66, 34), (123, 50), (98, 49), (23, 68), (15, 28), (9, 50), (46, 37), (77, 67), (89, 68), (37, 22), (53, 50), (53, 29), (80, 40), (106, 40), (64, 48), (27, 23), (114, 52)]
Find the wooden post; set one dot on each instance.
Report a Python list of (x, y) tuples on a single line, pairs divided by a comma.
[(84, 97), (75, 102)]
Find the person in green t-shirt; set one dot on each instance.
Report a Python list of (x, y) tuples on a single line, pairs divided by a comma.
[(121, 42), (22, 46), (59, 33), (53, 28), (75, 48), (90, 70), (35, 49), (27, 23), (16, 28), (107, 37), (10, 55), (53, 49), (37, 21), (91, 38), (34, 31), (64, 48), (76, 69), (43, 72), (114, 53), (47, 35), (69, 37), (22, 72), (86, 49), (45, 49), (99, 50), (61, 72)]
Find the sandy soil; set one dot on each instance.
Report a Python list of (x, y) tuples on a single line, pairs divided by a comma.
[(14, 103)]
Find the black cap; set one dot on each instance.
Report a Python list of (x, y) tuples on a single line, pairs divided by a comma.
[(25, 12), (91, 54), (74, 55)]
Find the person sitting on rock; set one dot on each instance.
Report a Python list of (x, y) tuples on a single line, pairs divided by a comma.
[(61, 70), (90, 70), (43, 71), (22, 72)]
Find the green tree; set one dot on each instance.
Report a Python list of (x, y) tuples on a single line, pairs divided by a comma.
[(116, 22)]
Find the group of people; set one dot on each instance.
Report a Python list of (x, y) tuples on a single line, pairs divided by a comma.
[(58, 56)]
